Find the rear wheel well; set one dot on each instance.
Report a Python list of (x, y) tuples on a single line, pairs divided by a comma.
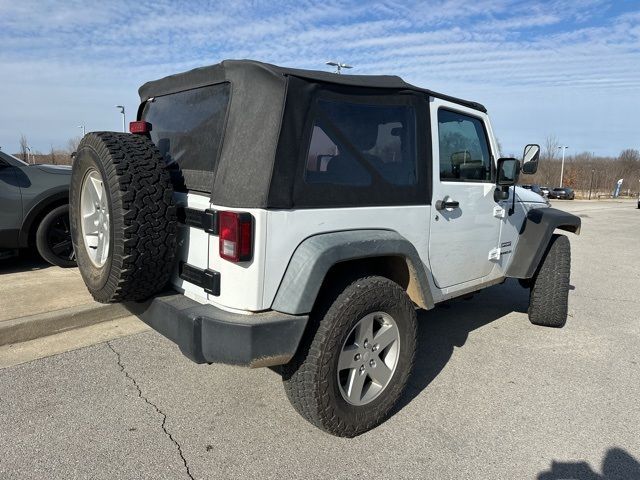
[(393, 267)]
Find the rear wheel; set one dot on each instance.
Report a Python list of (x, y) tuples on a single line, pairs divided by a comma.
[(548, 300), (123, 219), (356, 358), (53, 238)]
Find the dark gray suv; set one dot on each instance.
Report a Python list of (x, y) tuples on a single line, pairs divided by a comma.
[(34, 209)]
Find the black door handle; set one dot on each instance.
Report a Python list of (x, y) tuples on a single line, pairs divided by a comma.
[(447, 204)]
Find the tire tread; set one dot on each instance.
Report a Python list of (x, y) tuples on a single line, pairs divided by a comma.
[(548, 302), (143, 216), (307, 378)]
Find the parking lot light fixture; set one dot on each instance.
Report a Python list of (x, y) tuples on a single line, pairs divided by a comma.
[(339, 66), (83, 130), (124, 124), (564, 148)]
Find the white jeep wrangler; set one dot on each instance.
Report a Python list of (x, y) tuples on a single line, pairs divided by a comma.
[(262, 216)]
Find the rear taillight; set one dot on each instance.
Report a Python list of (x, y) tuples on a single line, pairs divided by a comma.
[(139, 127), (236, 236)]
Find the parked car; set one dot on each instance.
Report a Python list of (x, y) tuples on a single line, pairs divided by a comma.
[(34, 209), (562, 193), (545, 190), (265, 216)]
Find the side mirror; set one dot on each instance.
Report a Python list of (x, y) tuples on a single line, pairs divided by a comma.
[(508, 172), (530, 159)]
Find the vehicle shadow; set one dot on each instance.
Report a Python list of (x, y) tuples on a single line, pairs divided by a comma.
[(618, 464), (25, 261), (448, 326)]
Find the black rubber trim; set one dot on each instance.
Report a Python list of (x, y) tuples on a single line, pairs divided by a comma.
[(535, 235), (207, 220), (207, 334), (209, 280)]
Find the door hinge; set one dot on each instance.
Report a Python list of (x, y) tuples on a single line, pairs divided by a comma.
[(494, 254), (499, 212)]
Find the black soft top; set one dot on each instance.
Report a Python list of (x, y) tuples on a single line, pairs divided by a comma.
[(259, 163), (202, 76)]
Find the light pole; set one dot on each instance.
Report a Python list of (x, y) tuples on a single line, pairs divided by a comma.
[(83, 129), (591, 183), (339, 66), (124, 125), (564, 148), (30, 155)]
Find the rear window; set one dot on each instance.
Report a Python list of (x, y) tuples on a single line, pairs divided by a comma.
[(188, 128)]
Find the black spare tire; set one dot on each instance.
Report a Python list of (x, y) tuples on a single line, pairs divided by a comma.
[(123, 217)]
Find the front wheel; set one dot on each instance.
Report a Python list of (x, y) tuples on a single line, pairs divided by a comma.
[(548, 299), (356, 358)]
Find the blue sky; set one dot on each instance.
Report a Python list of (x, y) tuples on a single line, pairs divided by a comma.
[(567, 68)]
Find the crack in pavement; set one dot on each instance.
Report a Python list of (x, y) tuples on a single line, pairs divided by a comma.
[(155, 407)]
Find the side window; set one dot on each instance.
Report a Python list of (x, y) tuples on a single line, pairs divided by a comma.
[(464, 149), (352, 143)]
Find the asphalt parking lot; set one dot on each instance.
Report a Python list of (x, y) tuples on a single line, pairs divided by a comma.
[(492, 396)]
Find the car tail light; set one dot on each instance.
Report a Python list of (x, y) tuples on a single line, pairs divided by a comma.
[(139, 127), (236, 236)]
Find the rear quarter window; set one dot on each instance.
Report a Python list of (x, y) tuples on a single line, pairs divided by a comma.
[(364, 147), (351, 144)]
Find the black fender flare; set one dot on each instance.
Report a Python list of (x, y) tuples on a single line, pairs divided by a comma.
[(534, 238), (48, 199), (313, 258)]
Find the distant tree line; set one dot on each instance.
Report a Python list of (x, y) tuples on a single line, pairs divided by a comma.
[(584, 170), (55, 156)]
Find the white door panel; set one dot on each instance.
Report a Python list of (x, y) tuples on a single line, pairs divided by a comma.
[(461, 237)]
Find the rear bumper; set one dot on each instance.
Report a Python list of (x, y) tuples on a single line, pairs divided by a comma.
[(207, 334)]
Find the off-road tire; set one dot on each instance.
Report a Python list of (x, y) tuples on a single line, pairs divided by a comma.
[(142, 216), (310, 379), (43, 243), (548, 300)]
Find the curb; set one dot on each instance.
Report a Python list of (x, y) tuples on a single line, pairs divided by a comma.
[(49, 323)]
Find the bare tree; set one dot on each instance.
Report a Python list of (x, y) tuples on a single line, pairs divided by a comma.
[(72, 144), (24, 148), (52, 156), (551, 147), (629, 161)]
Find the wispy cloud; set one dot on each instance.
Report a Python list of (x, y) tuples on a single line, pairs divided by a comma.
[(67, 62)]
